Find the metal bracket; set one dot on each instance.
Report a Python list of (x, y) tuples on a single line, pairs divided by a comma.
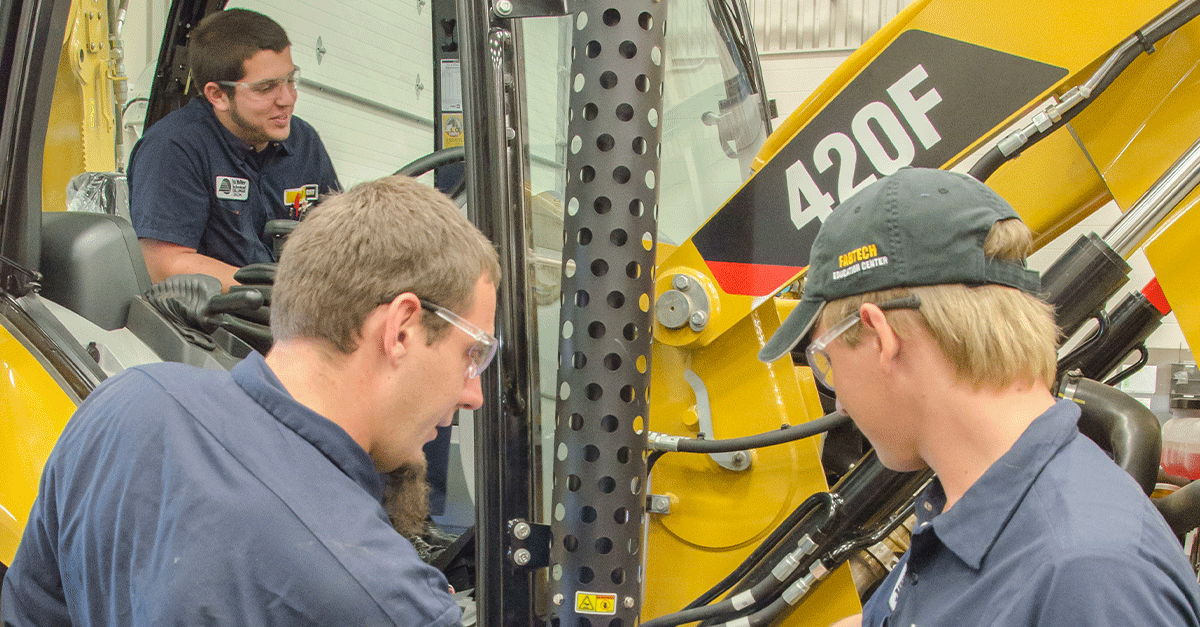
[(685, 303), (528, 544), (658, 504), (736, 460), (529, 8)]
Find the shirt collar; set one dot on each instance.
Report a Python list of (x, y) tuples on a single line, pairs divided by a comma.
[(261, 384), (972, 526)]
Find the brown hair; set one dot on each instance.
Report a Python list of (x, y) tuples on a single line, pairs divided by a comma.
[(220, 44), (995, 336), (368, 245)]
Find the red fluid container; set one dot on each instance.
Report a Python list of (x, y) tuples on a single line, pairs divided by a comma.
[(1181, 447)]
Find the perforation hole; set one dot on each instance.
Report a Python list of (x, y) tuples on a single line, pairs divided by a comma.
[(628, 394), (602, 205), (604, 546), (621, 516), (639, 145), (599, 267), (624, 112), (650, 179), (631, 332), (591, 453), (587, 514), (568, 328), (574, 483), (579, 82), (582, 298), (576, 144), (587, 174), (621, 175), (590, 111), (637, 208), (628, 49), (635, 486), (642, 83), (584, 237), (618, 578), (605, 142), (576, 421), (592, 50), (652, 118), (606, 485), (647, 240), (623, 454), (609, 423), (596, 330), (612, 17), (573, 206), (586, 575), (638, 426), (645, 20), (564, 391), (618, 237), (570, 543), (560, 512), (594, 391), (633, 269), (608, 80), (612, 361), (582, 19)]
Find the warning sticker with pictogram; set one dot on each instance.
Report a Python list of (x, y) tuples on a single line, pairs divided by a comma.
[(595, 603)]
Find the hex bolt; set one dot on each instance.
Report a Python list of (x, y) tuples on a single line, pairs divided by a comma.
[(504, 7), (681, 282), (629, 602), (739, 459), (521, 530), (521, 557), (558, 599), (699, 318)]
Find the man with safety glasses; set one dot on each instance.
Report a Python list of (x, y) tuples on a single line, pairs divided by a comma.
[(182, 496), (206, 179), (925, 321)]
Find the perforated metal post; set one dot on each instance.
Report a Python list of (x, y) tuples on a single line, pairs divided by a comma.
[(604, 357)]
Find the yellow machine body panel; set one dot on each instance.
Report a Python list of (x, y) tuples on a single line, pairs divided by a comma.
[(1172, 254), (34, 408), (719, 515)]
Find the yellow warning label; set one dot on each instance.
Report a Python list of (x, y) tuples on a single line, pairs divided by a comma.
[(595, 603), (452, 130)]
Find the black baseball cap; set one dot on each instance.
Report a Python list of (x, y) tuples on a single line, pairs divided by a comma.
[(918, 226)]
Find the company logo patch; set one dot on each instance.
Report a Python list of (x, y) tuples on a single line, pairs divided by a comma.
[(299, 199), (857, 260), (595, 603), (231, 188)]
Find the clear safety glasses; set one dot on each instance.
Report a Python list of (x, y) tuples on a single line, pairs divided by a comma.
[(818, 359), (268, 88), (486, 344)]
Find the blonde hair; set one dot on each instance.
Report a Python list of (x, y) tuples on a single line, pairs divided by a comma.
[(994, 335), (359, 249)]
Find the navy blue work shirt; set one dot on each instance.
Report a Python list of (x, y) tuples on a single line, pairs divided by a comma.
[(194, 183), (1053, 534), (181, 496)]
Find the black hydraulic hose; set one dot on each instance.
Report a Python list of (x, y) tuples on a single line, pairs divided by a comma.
[(809, 505), (1120, 425), (767, 588), (771, 438), (1181, 508), (994, 158)]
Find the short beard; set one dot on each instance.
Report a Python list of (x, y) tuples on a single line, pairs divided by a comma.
[(406, 498)]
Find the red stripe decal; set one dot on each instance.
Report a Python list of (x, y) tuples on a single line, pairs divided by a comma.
[(1153, 293), (750, 279)]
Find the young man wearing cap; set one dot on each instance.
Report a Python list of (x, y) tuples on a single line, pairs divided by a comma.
[(182, 496), (925, 321)]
